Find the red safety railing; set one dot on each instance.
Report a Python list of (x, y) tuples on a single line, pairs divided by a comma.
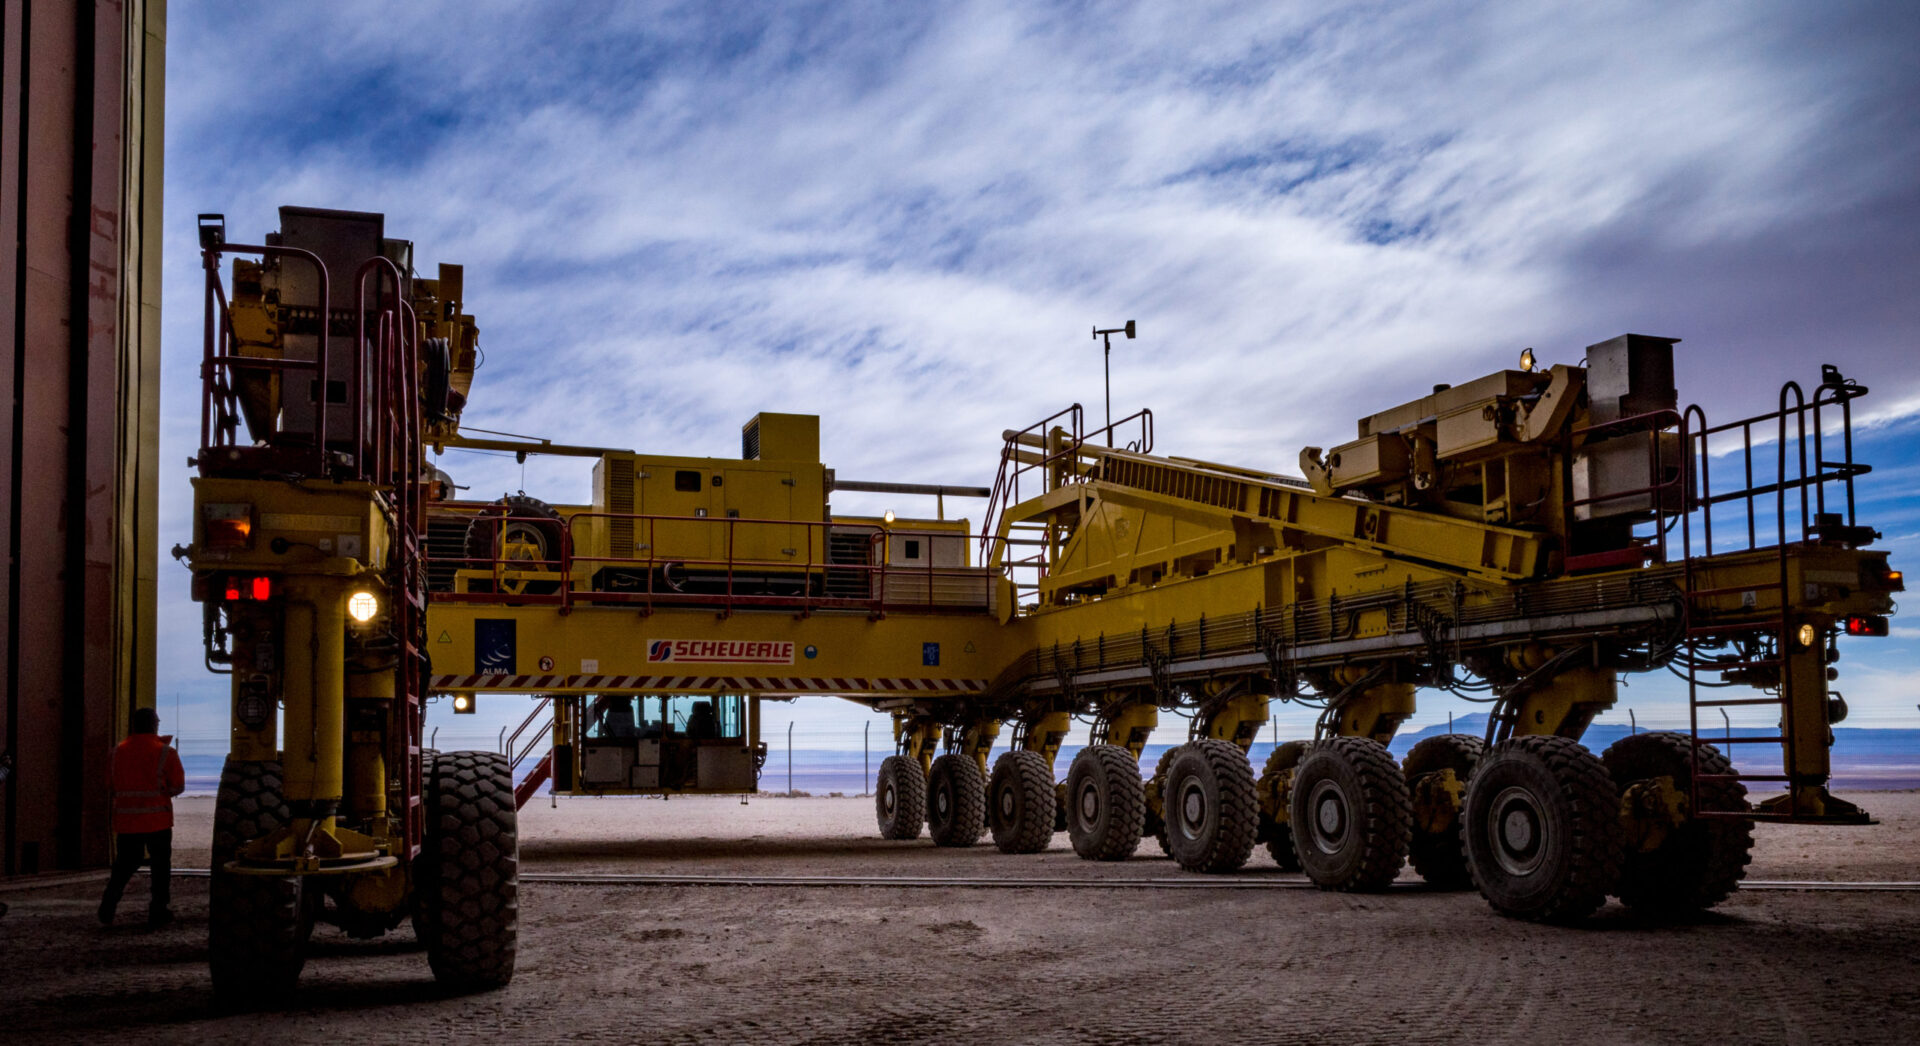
[(221, 364), (1006, 482), (382, 397), (1061, 465)]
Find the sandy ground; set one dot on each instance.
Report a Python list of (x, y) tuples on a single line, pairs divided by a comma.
[(943, 965)]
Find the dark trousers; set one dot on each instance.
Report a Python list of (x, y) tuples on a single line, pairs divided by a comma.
[(131, 849)]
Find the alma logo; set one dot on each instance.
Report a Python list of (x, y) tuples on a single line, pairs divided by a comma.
[(719, 651)]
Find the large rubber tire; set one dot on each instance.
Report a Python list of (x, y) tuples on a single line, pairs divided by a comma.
[(900, 798), (1541, 829), (256, 930), (1278, 834), (467, 880), (1351, 815), (1106, 803), (1435, 847), (1212, 812), (1020, 803), (1156, 819), (956, 801), (525, 517), (1701, 862)]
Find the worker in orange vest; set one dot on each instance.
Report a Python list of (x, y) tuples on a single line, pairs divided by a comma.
[(146, 776)]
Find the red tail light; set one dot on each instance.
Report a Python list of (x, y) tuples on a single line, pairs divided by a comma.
[(249, 589), (1865, 625)]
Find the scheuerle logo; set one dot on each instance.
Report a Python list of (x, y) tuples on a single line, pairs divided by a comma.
[(719, 652)]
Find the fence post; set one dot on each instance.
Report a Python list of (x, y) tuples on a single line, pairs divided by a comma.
[(866, 753), (789, 758)]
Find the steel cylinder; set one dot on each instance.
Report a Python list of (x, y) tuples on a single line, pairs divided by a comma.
[(313, 758)]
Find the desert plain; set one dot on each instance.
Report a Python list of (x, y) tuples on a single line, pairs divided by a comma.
[(1121, 961)]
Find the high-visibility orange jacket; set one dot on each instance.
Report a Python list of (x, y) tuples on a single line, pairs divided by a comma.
[(146, 776)]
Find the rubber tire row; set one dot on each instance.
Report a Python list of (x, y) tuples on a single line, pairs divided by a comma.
[(1579, 798), (467, 879), (256, 933), (1157, 823), (1438, 856), (956, 801), (900, 798), (1702, 861), (1278, 834), (1378, 809), (1020, 803), (1224, 839), (1109, 775)]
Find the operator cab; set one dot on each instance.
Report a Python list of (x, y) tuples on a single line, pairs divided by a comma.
[(656, 744)]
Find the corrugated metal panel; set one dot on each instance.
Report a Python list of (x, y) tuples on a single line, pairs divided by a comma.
[(79, 208)]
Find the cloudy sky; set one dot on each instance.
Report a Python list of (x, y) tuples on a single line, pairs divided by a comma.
[(907, 218)]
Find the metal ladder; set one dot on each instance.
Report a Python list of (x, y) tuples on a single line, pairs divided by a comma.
[(1765, 641)]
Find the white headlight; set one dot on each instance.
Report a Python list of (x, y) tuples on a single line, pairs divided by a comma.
[(361, 606)]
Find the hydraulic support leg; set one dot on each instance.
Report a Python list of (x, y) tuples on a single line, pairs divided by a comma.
[(1808, 736)]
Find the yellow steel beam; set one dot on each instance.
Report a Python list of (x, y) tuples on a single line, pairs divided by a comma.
[(590, 649), (536, 446)]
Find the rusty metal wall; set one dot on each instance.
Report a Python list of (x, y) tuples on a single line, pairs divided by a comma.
[(80, 149)]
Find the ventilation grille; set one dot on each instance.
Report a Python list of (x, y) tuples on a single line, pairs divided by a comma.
[(446, 547), (750, 441), (620, 502)]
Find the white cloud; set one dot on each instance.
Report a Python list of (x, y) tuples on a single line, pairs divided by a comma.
[(907, 222)]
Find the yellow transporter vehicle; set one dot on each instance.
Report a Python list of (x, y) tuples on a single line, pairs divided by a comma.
[(654, 620), (1519, 540), (307, 556)]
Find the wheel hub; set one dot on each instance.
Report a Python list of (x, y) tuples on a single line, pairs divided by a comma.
[(1193, 809), (941, 802), (1089, 804), (1517, 830), (1332, 816), (1006, 803), (886, 799)]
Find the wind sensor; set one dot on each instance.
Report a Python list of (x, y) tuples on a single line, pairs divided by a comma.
[(1106, 367)]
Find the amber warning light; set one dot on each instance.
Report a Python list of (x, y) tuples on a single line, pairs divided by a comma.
[(228, 525)]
